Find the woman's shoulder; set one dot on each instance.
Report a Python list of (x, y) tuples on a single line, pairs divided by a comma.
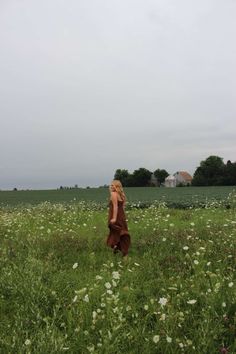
[(115, 196)]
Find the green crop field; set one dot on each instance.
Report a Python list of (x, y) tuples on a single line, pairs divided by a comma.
[(177, 197), (62, 290)]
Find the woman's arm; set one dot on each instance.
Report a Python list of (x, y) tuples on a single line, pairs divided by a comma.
[(124, 203), (114, 200)]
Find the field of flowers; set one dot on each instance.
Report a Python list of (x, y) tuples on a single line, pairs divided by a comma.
[(62, 290)]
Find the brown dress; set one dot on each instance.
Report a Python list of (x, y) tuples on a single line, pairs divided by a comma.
[(118, 238)]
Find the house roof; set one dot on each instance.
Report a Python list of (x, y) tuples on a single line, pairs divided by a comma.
[(170, 178), (185, 175)]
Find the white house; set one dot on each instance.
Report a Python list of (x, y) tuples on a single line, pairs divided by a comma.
[(183, 177), (170, 181)]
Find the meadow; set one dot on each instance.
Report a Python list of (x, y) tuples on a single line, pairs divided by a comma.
[(63, 291)]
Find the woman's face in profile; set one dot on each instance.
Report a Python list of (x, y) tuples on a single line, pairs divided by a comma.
[(112, 188)]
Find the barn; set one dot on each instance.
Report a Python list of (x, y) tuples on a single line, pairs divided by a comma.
[(183, 177)]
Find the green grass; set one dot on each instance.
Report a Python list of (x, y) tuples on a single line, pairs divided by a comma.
[(62, 290), (177, 197)]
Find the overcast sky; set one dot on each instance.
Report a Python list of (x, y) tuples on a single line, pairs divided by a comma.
[(89, 86)]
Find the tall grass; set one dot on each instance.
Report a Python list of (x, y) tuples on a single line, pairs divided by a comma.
[(62, 290)]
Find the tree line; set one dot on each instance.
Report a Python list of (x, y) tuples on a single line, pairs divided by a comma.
[(211, 172), (214, 172), (140, 177)]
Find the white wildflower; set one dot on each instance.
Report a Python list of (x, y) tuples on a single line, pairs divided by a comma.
[(191, 302), (156, 338), (162, 301), (75, 265), (115, 275)]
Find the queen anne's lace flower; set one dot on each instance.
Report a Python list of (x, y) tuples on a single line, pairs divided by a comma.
[(162, 301)]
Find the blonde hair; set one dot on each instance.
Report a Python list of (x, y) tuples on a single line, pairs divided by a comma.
[(119, 189)]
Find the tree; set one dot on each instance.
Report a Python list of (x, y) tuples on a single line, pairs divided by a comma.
[(198, 178), (141, 177), (160, 175), (123, 176), (230, 173), (210, 172)]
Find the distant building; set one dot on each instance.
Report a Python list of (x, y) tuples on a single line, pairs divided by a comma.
[(153, 180), (170, 181), (183, 177)]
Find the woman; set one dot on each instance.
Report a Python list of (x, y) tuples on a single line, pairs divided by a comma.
[(118, 238)]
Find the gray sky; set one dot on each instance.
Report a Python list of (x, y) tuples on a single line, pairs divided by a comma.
[(89, 86)]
